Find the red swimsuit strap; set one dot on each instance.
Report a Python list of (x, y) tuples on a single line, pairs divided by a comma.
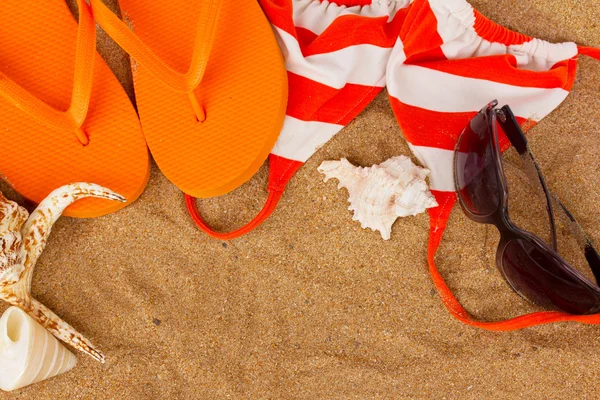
[(590, 51), (281, 171)]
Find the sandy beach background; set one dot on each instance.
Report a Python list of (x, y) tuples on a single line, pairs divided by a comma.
[(311, 306)]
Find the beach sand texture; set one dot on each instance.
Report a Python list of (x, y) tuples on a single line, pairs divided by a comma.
[(311, 306)]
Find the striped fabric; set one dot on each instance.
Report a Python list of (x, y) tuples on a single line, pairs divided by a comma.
[(336, 58), (336, 55), (442, 73), (450, 62)]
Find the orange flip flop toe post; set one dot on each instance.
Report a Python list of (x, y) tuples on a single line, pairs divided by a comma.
[(210, 128), (64, 117)]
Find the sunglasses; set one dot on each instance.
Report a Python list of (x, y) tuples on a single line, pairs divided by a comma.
[(531, 266)]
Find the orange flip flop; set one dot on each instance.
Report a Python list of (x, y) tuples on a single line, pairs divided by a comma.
[(64, 117), (210, 128)]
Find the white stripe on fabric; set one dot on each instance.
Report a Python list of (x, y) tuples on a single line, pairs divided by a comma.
[(440, 163), (539, 55), (362, 64), (317, 16), (456, 20), (299, 139), (398, 56), (443, 92)]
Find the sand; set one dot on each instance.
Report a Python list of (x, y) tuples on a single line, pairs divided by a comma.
[(311, 306)]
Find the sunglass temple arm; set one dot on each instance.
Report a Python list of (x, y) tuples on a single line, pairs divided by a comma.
[(511, 128), (515, 135)]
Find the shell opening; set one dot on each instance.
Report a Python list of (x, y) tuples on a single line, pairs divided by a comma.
[(14, 326)]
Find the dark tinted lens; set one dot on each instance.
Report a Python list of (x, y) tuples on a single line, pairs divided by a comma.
[(535, 275), (475, 168), (527, 202)]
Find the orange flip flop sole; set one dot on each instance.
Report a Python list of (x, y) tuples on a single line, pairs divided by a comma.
[(243, 91), (37, 51)]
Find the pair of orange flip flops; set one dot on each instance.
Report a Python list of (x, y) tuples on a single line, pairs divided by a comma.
[(65, 118)]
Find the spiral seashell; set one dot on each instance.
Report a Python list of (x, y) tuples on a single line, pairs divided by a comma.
[(23, 237), (381, 193), (28, 352)]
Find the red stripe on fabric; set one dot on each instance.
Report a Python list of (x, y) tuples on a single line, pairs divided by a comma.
[(305, 37), (493, 32), (503, 69), (351, 30), (435, 54), (571, 66), (429, 128), (420, 36), (437, 129), (313, 101), (281, 171), (280, 13), (362, 95)]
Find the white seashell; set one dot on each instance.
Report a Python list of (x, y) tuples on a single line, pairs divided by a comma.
[(22, 239), (28, 352), (382, 193)]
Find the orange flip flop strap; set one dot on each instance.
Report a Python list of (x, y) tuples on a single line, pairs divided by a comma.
[(590, 51), (132, 44), (280, 172), (438, 218), (73, 118)]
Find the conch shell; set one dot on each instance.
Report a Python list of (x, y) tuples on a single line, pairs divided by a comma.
[(28, 352), (382, 193), (23, 239)]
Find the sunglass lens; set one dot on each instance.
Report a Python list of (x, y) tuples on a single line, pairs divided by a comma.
[(475, 168), (540, 278), (527, 203)]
